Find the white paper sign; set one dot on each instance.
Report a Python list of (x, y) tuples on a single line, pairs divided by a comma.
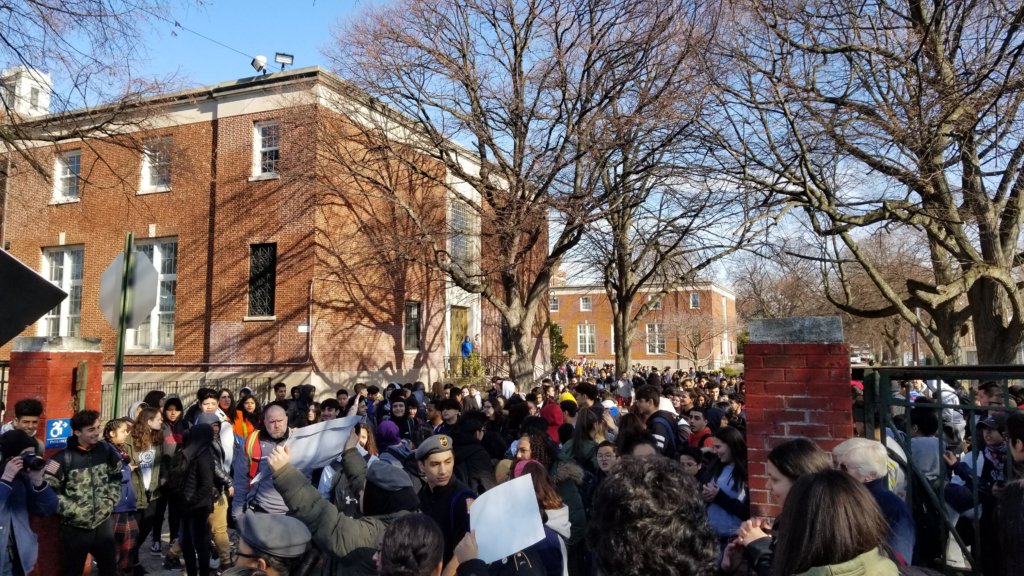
[(315, 446), (506, 519)]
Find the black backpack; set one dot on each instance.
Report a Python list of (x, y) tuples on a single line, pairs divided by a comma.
[(182, 481)]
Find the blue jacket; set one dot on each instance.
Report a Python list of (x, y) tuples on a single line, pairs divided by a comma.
[(902, 531), (127, 502), (17, 500)]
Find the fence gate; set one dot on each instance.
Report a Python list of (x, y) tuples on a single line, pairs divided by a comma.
[(949, 536), (132, 392)]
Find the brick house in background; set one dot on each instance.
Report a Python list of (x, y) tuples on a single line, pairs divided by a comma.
[(266, 266), (691, 325)]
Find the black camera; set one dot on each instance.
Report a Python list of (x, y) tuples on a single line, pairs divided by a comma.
[(33, 462)]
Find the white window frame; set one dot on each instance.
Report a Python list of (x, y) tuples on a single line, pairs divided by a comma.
[(586, 304), (655, 305), (163, 253), (156, 153), (695, 300), (64, 319), (553, 303), (655, 340), (67, 176), (259, 147), (586, 339)]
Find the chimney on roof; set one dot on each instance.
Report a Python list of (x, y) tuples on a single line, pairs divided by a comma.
[(26, 92)]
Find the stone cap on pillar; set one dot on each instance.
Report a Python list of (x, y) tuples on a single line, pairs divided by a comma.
[(56, 344), (796, 330)]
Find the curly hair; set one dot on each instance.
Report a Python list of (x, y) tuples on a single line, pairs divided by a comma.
[(648, 518), (413, 545), (144, 437)]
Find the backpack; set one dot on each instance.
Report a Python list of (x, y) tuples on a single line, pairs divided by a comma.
[(672, 443), (182, 481), (342, 495)]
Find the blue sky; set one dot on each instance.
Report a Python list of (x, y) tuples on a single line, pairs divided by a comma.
[(298, 27)]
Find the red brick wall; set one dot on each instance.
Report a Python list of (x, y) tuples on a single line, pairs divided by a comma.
[(793, 390), (674, 305)]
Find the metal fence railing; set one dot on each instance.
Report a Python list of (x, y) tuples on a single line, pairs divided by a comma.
[(947, 540), (132, 392)]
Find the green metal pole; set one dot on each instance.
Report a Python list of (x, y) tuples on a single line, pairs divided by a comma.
[(122, 319)]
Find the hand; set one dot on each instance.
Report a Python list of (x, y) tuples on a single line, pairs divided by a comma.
[(608, 420), (466, 549), (231, 491), (751, 530), (352, 441), (279, 458), (14, 465), (709, 491), (732, 557), (950, 458)]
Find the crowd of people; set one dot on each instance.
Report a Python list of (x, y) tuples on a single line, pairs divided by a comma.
[(645, 473)]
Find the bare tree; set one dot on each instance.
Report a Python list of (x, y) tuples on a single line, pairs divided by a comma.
[(865, 115), (507, 107), (696, 332)]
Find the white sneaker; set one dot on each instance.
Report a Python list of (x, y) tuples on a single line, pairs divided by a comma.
[(214, 563)]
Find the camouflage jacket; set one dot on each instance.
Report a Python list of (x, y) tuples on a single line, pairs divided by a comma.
[(87, 482)]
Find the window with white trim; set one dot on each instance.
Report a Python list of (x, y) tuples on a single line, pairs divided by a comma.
[(266, 148), (655, 339), (694, 299), (553, 304), (655, 304), (156, 165), (157, 331), (586, 338), (63, 267), (66, 176), (585, 304)]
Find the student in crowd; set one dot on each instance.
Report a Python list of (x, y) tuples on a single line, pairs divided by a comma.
[(117, 433), (23, 491), (148, 463), (27, 413), (649, 519), (412, 546), (786, 463), (173, 430), (247, 418), (555, 515), (726, 489), (273, 544), (831, 526), (87, 478)]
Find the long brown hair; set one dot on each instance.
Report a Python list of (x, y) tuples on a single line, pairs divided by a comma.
[(828, 518), (547, 495), (144, 437)]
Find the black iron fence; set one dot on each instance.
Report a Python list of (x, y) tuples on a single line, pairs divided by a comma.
[(132, 392), (950, 533)]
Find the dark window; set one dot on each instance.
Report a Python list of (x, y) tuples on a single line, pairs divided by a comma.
[(506, 336), (412, 325), (262, 279)]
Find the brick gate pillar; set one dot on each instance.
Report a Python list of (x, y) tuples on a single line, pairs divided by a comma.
[(48, 369), (797, 374)]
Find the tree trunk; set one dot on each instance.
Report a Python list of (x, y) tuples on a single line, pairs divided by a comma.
[(996, 335)]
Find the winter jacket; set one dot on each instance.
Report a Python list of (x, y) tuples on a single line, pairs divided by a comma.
[(87, 482), (902, 530), (662, 425), (17, 500), (449, 506), (870, 563), (551, 549), (205, 483), (760, 556), (351, 542), (158, 474), (473, 465), (525, 563), (127, 502), (568, 478)]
